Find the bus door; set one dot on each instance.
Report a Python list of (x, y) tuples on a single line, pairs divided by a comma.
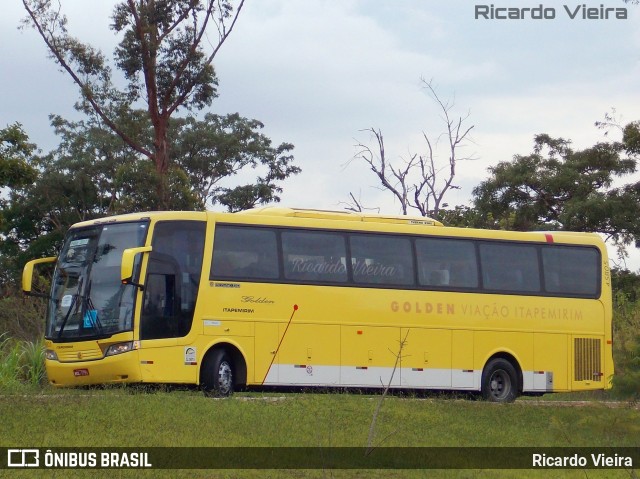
[(169, 298)]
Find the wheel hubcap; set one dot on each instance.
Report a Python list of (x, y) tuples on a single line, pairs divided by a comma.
[(225, 377), (500, 384)]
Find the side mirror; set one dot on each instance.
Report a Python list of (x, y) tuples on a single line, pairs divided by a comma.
[(27, 273), (126, 266)]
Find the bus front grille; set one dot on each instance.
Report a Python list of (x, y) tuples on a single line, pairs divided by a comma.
[(85, 355), (587, 359)]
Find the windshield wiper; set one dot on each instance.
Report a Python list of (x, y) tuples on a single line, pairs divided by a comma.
[(90, 316), (73, 303)]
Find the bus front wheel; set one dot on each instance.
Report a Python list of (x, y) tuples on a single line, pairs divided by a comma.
[(217, 374), (499, 381)]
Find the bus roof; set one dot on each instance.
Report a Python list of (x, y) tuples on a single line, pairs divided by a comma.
[(364, 221), (340, 215)]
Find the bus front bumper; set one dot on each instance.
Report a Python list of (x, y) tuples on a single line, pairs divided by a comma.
[(121, 368)]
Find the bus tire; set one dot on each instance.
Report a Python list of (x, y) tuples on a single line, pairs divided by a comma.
[(499, 381), (218, 374)]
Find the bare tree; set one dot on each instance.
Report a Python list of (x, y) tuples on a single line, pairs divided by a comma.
[(421, 181), (393, 179), (355, 204), (385, 391)]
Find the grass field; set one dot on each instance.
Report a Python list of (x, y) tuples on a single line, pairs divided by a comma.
[(131, 417)]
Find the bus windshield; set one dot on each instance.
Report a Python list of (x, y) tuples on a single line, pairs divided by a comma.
[(88, 299)]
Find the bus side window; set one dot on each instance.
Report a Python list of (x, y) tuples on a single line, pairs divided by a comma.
[(510, 267), (244, 253), (381, 259), (447, 262), (571, 270), (312, 256)]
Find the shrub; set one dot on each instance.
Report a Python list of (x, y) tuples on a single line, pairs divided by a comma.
[(21, 362), (22, 318), (626, 346)]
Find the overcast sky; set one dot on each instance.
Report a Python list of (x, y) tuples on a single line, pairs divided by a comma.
[(318, 72)]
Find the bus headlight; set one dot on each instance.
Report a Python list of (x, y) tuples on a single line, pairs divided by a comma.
[(119, 348), (50, 354)]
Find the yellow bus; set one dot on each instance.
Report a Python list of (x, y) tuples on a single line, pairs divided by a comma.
[(279, 296)]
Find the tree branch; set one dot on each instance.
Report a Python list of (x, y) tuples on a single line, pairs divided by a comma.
[(85, 88), (223, 35)]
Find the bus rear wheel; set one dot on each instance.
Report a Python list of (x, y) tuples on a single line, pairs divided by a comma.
[(217, 374), (499, 381)]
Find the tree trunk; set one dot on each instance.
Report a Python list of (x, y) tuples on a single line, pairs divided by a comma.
[(161, 159)]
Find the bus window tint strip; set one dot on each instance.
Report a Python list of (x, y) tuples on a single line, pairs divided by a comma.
[(347, 258)]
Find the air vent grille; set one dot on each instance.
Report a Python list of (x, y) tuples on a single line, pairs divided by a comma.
[(587, 359)]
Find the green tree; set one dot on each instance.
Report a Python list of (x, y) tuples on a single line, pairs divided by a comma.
[(118, 178), (15, 156), (463, 216), (556, 187), (217, 148), (165, 53), (626, 283), (92, 173), (16, 171)]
